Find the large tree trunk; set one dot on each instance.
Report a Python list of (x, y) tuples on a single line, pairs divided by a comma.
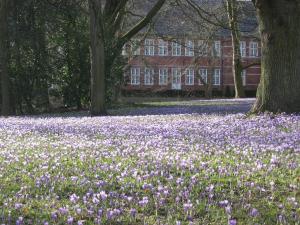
[(5, 82), (236, 60), (279, 89), (97, 61)]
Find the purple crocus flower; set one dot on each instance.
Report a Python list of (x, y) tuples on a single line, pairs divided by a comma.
[(254, 212), (232, 222)]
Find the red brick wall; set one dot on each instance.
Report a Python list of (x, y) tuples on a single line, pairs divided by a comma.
[(224, 63)]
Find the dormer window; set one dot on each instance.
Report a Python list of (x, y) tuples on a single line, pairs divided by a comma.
[(162, 47), (149, 47), (189, 49), (176, 49), (253, 49), (217, 49), (243, 48), (135, 47)]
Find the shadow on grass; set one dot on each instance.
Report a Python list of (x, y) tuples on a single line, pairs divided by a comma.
[(209, 107)]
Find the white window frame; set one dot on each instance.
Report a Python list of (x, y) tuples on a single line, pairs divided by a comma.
[(124, 50), (243, 48), (162, 47), (217, 49), (177, 72), (216, 79), (149, 47), (135, 76), (189, 76), (135, 47), (203, 74), (176, 49), (163, 76), (149, 76), (253, 49), (189, 48), (244, 77), (203, 48)]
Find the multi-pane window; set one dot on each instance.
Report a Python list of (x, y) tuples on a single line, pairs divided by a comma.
[(176, 78), (243, 48), (149, 76), (203, 48), (203, 74), (244, 77), (217, 49), (163, 76), (216, 79), (176, 49), (162, 47), (189, 48), (189, 77), (253, 49), (135, 76), (149, 47), (135, 47), (124, 50)]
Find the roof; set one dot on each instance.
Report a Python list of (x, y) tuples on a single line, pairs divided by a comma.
[(180, 20)]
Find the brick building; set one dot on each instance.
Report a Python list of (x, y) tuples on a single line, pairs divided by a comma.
[(175, 61)]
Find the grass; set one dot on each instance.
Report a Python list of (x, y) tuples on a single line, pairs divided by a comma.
[(165, 169)]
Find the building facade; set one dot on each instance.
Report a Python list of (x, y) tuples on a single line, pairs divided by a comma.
[(158, 65)]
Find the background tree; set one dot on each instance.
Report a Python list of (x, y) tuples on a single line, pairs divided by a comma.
[(70, 38), (227, 16), (280, 34), (48, 47), (5, 82), (107, 40), (237, 67)]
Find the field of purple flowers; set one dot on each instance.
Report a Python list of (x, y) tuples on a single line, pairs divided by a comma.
[(178, 168)]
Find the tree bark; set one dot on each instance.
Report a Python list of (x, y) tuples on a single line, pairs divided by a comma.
[(107, 43), (279, 89), (97, 60), (5, 82), (237, 67)]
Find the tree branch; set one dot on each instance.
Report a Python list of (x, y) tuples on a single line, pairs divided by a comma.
[(257, 63), (142, 23)]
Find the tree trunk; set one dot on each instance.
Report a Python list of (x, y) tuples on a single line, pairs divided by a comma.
[(208, 85), (97, 61), (279, 89), (5, 82), (236, 55)]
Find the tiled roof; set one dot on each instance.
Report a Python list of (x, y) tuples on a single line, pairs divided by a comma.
[(181, 20)]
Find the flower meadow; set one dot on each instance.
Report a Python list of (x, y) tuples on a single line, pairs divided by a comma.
[(191, 168)]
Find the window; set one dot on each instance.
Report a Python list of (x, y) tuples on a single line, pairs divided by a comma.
[(149, 47), (124, 50), (203, 48), (189, 77), (149, 76), (244, 77), (189, 49), (253, 49), (163, 76), (203, 74), (162, 47), (217, 49), (243, 48), (135, 47), (176, 49), (216, 77), (176, 78), (135, 76)]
